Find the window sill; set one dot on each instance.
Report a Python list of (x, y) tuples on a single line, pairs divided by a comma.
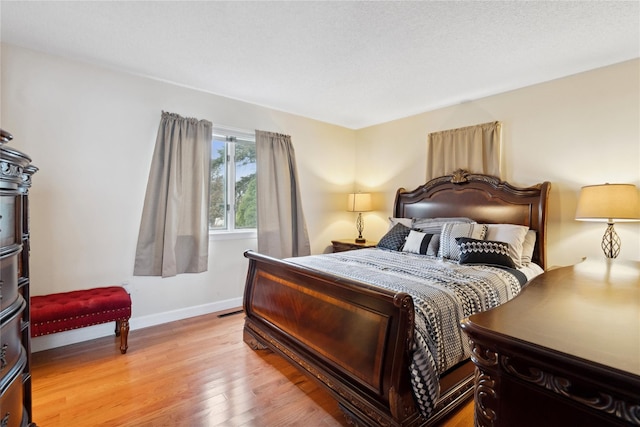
[(233, 235)]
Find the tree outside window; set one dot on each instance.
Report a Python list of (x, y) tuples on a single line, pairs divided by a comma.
[(232, 194)]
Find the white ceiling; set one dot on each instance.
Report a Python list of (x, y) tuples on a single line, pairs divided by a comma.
[(353, 64)]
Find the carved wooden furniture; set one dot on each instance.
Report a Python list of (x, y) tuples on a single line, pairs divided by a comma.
[(15, 341), (565, 352), (77, 309), (356, 339), (351, 244)]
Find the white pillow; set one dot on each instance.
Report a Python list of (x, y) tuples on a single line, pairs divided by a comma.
[(449, 247), (528, 246), (418, 242), (404, 221), (509, 233)]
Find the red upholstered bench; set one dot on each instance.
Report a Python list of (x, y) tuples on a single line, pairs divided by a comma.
[(77, 309)]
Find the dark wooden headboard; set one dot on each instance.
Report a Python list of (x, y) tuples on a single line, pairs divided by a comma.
[(483, 198)]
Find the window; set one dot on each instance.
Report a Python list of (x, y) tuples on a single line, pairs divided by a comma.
[(232, 196)]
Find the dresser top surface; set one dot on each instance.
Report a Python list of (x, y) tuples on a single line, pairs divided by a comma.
[(589, 311)]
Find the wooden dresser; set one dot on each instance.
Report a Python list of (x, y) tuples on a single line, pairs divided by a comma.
[(565, 352), (15, 341)]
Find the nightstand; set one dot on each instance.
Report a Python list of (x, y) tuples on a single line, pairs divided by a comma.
[(350, 244)]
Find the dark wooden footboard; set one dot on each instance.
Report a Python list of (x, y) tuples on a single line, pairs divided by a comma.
[(354, 339)]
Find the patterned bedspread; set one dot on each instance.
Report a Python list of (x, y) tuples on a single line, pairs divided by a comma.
[(443, 293)]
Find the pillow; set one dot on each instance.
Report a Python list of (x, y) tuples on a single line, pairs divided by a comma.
[(434, 245), (404, 221), (418, 242), (451, 230), (394, 239), (528, 246), (511, 234), (474, 251), (434, 226)]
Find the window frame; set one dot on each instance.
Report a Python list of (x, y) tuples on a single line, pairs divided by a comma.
[(231, 136)]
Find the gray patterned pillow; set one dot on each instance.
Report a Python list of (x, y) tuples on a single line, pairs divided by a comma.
[(473, 251), (394, 239), (434, 225)]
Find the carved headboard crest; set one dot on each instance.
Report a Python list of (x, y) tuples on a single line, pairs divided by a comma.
[(459, 176)]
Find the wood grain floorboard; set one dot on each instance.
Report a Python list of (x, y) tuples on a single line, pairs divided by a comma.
[(196, 372)]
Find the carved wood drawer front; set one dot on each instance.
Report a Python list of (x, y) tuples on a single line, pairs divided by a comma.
[(564, 352), (11, 404), (7, 220), (9, 278), (10, 339)]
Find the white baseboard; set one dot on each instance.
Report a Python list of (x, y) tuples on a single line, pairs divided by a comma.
[(74, 336)]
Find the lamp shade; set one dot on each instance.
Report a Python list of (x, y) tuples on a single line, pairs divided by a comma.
[(608, 202), (359, 202)]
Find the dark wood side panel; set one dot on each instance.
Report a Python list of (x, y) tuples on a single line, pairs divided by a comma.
[(352, 337)]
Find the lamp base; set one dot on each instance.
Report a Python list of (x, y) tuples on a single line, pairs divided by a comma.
[(610, 242), (360, 228)]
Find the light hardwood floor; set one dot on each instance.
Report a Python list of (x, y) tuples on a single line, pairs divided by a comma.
[(195, 373)]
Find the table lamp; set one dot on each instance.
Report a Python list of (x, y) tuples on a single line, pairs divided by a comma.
[(359, 202), (610, 203)]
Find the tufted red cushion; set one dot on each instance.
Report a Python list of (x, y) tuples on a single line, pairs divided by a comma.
[(77, 309)]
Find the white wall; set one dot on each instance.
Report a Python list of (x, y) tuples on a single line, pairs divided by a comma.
[(575, 131), (91, 132)]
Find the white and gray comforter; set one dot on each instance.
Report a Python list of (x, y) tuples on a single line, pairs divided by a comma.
[(444, 292)]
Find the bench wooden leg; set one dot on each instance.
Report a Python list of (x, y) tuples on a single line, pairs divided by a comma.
[(123, 331)]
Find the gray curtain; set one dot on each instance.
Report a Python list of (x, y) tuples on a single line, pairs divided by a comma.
[(473, 148), (174, 231), (282, 231)]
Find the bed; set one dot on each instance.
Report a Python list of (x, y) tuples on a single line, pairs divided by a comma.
[(358, 339)]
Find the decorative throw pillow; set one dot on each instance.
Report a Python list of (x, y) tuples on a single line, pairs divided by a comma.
[(451, 230), (474, 251), (434, 226), (394, 239), (511, 234), (528, 246), (417, 242)]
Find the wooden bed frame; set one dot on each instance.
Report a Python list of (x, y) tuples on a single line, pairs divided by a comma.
[(356, 339)]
